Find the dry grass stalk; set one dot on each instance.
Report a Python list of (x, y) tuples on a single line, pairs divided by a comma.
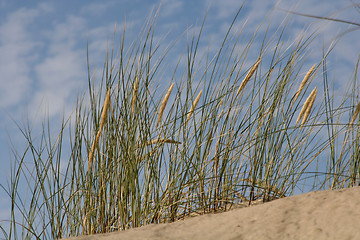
[(102, 122), (356, 113), (247, 77), (163, 104), (304, 81), (305, 110), (135, 93), (193, 106)]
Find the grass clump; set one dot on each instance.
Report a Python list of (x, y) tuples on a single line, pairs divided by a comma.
[(140, 155)]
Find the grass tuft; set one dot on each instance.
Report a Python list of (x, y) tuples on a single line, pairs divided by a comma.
[(149, 164)]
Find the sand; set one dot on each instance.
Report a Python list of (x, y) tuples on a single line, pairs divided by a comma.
[(315, 215)]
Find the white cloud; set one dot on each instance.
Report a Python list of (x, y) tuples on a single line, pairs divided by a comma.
[(170, 7), (97, 9), (15, 48), (62, 70), (225, 8), (66, 34), (58, 77), (40, 66), (17, 52)]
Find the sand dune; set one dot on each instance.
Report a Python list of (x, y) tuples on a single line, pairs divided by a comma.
[(316, 215)]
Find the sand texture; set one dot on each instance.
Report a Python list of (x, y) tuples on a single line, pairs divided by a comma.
[(315, 215)]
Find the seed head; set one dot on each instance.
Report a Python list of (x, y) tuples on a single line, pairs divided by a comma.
[(193, 106), (163, 104), (248, 76), (304, 81)]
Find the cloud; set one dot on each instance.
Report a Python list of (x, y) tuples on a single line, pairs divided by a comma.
[(16, 48), (18, 51), (62, 70), (58, 76), (223, 9), (97, 9), (170, 7)]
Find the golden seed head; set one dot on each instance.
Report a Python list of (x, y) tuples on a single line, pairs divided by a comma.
[(305, 110), (193, 106), (357, 110), (163, 104), (248, 76), (135, 93), (304, 81), (102, 122), (105, 109), (308, 110)]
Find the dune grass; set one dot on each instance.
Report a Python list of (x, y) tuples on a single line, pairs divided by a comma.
[(218, 132)]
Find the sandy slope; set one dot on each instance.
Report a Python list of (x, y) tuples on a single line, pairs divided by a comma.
[(316, 215)]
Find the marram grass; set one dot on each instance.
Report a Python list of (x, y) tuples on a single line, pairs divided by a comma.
[(139, 154)]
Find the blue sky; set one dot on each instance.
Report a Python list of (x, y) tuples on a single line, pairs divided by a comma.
[(43, 47)]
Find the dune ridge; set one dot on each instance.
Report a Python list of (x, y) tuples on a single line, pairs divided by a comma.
[(315, 215)]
